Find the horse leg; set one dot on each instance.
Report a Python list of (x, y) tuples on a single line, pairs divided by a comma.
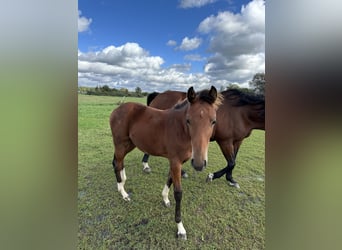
[(177, 191), (119, 169), (146, 167), (231, 165), (165, 192), (228, 151)]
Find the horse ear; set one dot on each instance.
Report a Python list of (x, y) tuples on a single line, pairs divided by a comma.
[(191, 94), (213, 92)]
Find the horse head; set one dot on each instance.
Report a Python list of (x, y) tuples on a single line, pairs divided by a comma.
[(200, 120)]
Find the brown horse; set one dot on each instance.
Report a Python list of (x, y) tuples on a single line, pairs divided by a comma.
[(239, 114), (177, 134)]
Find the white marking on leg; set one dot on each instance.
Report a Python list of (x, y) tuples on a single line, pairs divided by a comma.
[(165, 195), (181, 231), (123, 175), (234, 184), (121, 185), (146, 167), (210, 177)]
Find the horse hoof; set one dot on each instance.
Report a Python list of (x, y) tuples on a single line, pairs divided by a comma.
[(127, 198), (185, 175), (234, 184), (210, 177), (181, 236), (167, 204), (147, 170)]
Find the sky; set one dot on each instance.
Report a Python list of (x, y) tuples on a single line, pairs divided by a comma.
[(170, 44)]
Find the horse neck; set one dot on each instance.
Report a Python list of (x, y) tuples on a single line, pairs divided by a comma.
[(256, 116), (177, 118)]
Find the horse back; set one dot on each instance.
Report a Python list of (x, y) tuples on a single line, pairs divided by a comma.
[(167, 99)]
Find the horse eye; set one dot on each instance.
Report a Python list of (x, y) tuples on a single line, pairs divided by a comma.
[(188, 121), (213, 122)]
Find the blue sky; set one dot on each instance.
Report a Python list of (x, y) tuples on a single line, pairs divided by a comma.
[(171, 44)]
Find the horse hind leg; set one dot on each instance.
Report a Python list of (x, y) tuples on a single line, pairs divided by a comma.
[(146, 167), (121, 178), (165, 192)]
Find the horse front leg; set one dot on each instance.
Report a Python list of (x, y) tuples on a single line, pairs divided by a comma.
[(229, 153), (177, 191)]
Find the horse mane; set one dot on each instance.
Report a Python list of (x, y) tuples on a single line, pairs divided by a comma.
[(150, 97), (242, 98), (181, 104)]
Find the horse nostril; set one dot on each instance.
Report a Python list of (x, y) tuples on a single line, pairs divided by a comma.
[(198, 167)]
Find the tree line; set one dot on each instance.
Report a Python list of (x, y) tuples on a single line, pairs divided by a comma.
[(256, 85), (105, 90)]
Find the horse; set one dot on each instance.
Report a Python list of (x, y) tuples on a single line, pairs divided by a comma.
[(238, 115), (177, 134)]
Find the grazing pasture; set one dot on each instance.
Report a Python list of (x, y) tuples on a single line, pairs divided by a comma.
[(216, 215)]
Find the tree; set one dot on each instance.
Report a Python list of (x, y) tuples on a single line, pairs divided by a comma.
[(236, 86), (258, 83), (138, 91), (105, 88)]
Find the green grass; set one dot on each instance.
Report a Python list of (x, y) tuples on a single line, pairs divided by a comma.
[(214, 215)]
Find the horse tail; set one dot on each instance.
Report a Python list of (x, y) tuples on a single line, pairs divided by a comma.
[(150, 97)]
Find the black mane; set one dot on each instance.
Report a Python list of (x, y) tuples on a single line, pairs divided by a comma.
[(242, 98), (181, 104), (150, 97)]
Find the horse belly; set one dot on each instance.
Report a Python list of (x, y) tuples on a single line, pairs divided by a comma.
[(148, 142)]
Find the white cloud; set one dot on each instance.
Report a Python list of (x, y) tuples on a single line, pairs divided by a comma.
[(236, 47), (83, 22), (190, 44), (194, 57), (237, 42), (194, 3), (129, 66), (130, 56), (171, 43)]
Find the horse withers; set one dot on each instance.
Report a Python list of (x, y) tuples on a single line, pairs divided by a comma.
[(177, 134), (238, 115)]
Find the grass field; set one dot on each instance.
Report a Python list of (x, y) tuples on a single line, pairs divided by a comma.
[(214, 215)]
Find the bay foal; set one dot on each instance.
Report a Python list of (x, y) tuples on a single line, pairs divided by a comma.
[(177, 134)]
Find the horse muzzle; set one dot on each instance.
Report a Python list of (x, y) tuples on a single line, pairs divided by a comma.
[(198, 167)]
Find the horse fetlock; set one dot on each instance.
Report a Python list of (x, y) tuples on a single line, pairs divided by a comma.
[(181, 234), (122, 191), (127, 198), (210, 177), (234, 184), (185, 175), (146, 167)]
